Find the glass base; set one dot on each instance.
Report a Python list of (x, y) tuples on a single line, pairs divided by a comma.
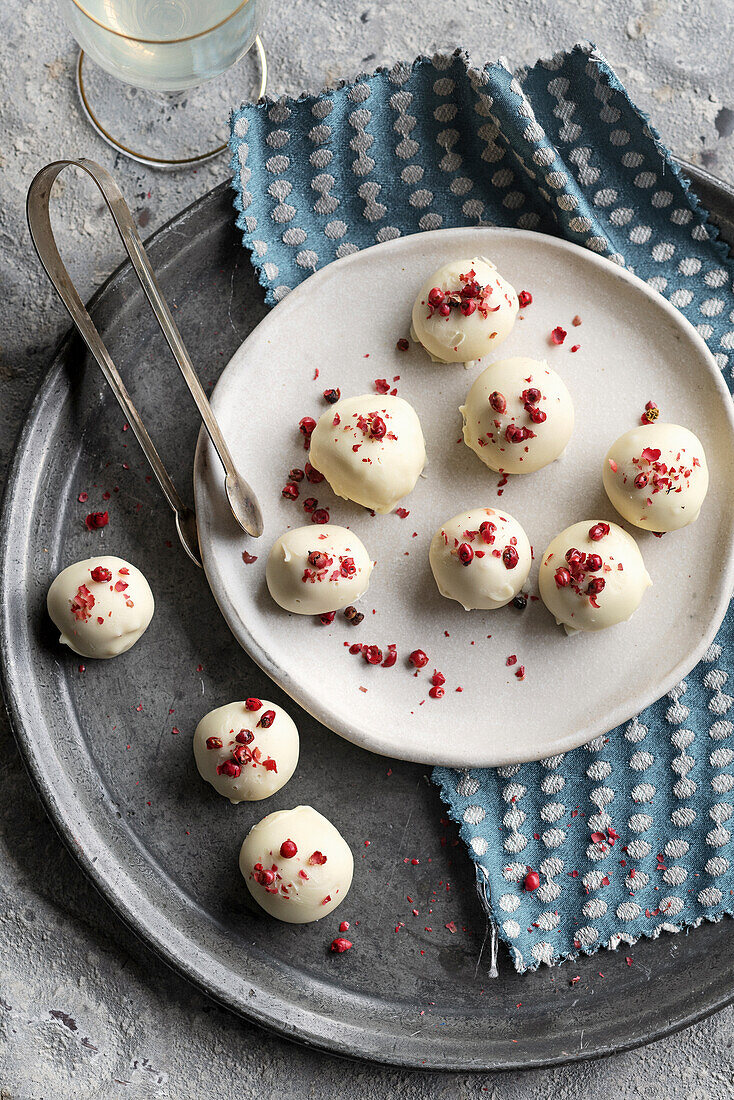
[(169, 130)]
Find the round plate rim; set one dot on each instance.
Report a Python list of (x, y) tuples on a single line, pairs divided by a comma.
[(296, 686), (258, 1009)]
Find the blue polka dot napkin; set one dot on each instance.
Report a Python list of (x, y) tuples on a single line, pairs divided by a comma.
[(631, 834)]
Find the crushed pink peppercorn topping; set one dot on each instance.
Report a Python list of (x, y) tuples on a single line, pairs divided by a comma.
[(82, 603), (340, 945), (253, 704), (599, 531), (95, 520), (99, 573), (214, 742)]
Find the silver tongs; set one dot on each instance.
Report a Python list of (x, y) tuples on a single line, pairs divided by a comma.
[(242, 500)]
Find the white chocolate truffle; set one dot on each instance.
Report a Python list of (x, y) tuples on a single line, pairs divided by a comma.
[(471, 311), (297, 866), (481, 558), (101, 606), (592, 576), (370, 449), (518, 416), (247, 750), (319, 568), (656, 476)]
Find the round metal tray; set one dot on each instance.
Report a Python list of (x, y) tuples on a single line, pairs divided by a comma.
[(104, 750)]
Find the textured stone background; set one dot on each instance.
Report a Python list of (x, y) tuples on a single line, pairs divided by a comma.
[(85, 1011)]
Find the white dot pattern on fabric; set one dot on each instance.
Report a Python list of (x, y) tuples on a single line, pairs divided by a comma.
[(560, 149)]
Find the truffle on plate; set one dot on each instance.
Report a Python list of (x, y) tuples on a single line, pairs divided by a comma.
[(101, 606), (480, 558), (463, 311), (315, 569), (656, 476), (297, 865), (518, 416), (592, 576), (370, 449), (247, 750)]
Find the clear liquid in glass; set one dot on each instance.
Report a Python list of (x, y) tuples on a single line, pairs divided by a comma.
[(165, 45)]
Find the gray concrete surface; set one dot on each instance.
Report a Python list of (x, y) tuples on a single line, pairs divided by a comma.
[(85, 1011)]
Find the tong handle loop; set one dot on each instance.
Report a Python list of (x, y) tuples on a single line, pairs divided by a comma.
[(42, 235)]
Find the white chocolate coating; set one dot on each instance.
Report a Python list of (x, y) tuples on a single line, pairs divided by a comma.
[(492, 578), (246, 760), (374, 472), (670, 466), (100, 618), (311, 587), (623, 572), (456, 338), (306, 886), (485, 428)]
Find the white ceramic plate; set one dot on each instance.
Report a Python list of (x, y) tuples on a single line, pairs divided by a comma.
[(345, 321)]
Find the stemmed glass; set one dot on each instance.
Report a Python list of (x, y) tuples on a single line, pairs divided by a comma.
[(175, 59)]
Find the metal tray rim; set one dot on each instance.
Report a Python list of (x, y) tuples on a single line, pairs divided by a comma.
[(260, 1008)]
